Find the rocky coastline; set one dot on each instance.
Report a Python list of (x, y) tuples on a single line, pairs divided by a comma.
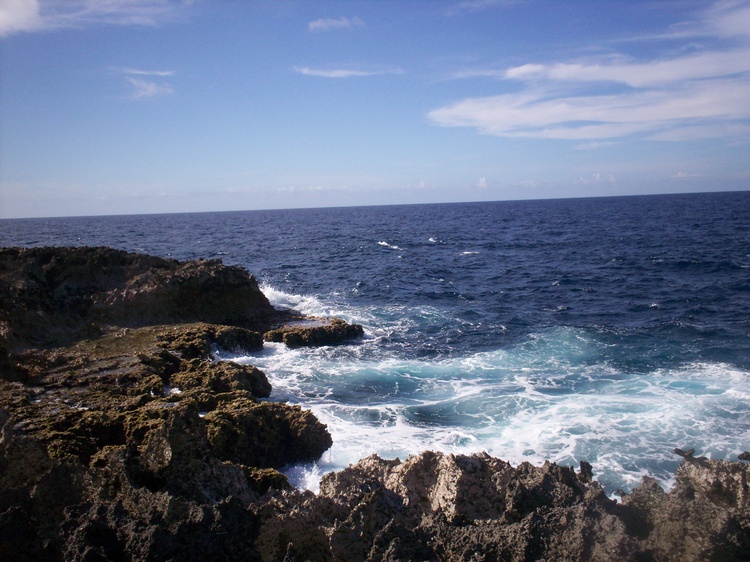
[(123, 438)]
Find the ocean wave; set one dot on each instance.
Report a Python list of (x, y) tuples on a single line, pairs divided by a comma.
[(549, 397), (390, 246)]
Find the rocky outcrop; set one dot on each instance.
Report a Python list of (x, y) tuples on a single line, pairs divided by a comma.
[(50, 296), (444, 507), (315, 332), (135, 446), (121, 436)]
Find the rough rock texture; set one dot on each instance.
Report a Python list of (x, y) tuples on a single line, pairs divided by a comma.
[(120, 448), (56, 295), (445, 507), (312, 332), (122, 438)]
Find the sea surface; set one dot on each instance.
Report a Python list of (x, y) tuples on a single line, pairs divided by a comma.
[(610, 330)]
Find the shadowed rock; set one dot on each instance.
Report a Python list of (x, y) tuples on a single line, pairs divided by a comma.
[(57, 295)]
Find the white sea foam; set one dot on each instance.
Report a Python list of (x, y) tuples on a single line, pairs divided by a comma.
[(305, 304), (548, 397), (387, 245)]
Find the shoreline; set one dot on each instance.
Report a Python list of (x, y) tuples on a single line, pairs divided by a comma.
[(121, 436)]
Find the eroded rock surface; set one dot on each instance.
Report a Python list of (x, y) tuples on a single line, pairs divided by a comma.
[(444, 507), (121, 448), (121, 436)]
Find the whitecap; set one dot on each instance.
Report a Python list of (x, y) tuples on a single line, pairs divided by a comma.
[(306, 304)]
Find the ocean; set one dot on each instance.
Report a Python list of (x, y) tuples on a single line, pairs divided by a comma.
[(610, 330)]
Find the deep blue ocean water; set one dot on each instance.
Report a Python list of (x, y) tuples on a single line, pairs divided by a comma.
[(610, 330)]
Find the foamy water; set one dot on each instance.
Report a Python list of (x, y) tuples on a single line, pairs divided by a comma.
[(552, 396), (610, 330)]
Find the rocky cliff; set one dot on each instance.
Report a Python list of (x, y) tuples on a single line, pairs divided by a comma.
[(123, 438)]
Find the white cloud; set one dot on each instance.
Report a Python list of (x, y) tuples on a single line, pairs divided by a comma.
[(328, 24), (730, 18), (534, 114), (698, 95), (344, 72), (482, 183), (145, 89), (640, 75), (33, 15), (18, 15)]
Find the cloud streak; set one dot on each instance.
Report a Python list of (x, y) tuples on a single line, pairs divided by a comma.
[(344, 72), (32, 15), (139, 72), (145, 89), (697, 95), (330, 24), (143, 83)]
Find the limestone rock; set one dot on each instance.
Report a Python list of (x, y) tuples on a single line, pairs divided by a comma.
[(312, 332), (452, 507)]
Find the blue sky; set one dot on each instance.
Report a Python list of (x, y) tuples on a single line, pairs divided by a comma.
[(151, 106)]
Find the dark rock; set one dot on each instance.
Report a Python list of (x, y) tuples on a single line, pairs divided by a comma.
[(221, 377), (685, 454), (117, 450), (194, 341), (58, 295), (266, 434), (236, 339), (586, 473), (315, 332), (744, 456)]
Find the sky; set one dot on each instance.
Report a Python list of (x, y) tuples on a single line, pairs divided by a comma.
[(157, 106)]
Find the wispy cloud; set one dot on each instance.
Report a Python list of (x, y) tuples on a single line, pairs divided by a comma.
[(696, 95), (147, 88), (139, 72), (344, 72), (35, 15), (329, 24)]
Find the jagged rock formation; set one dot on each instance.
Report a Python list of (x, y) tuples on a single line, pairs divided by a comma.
[(444, 507), (122, 438)]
